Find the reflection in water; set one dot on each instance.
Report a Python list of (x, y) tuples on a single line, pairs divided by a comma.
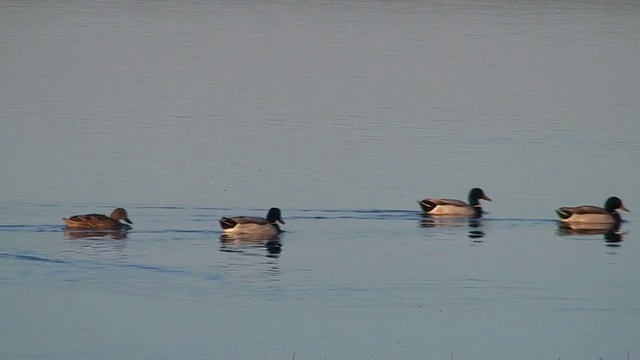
[(92, 242), (88, 234), (243, 242), (451, 222), (475, 234), (246, 261), (611, 232)]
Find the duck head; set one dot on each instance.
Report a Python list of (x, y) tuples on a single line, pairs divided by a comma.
[(120, 214), (274, 215), (475, 195)]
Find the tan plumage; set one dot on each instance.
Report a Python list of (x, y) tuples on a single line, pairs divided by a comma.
[(586, 228), (99, 221)]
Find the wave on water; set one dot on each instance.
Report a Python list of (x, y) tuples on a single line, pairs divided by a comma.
[(91, 264), (31, 258), (32, 228), (374, 214)]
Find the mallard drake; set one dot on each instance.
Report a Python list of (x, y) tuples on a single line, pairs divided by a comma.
[(593, 214), (453, 207), (253, 225), (99, 221)]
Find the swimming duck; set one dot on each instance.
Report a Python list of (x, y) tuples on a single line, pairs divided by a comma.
[(99, 221), (593, 214), (453, 207), (253, 225)]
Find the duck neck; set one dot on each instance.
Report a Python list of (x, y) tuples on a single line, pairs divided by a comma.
[(616, 216), (477, 211), (474, 201)]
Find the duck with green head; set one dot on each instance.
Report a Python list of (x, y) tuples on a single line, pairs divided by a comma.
[(249, 225), (454, 207), (99, 221), (589, 214)]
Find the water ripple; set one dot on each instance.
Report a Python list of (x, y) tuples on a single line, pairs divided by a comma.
[(31, 258), (92, 264)]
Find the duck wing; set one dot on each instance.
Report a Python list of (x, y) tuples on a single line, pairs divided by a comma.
[(450, 202), (94, 221), (584, 209), (244, 220), (251, 220), (433, 206), (88, 218), (585, 213)]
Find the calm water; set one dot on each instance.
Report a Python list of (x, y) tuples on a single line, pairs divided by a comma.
[(343, 114)]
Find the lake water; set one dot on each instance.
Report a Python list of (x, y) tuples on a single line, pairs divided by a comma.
[(343, 114)]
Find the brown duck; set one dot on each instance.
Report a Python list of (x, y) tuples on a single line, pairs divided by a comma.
[(99, 221)]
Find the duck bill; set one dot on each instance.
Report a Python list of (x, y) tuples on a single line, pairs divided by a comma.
[(128, 221), (281, 221), (485, 197), (624, 208)]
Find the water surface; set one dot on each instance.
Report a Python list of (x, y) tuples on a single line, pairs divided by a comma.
[(343, 114)]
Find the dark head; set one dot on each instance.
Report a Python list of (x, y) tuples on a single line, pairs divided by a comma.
[(613, 203), (274, 215), (120, 214), (475, 195)]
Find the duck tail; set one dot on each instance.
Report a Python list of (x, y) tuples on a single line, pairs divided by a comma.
[(227, 223), (563, 213), (426, 205)]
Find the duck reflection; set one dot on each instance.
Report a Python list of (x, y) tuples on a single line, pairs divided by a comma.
[(475, 224), (91, 234), (90, 242), (611, 232), (242, 243)]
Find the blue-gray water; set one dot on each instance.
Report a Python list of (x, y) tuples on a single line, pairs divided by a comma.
[(343, 114)]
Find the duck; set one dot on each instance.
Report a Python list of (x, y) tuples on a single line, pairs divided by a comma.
[(589, 214), (256, 226), (453, 207), (99, 221)]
